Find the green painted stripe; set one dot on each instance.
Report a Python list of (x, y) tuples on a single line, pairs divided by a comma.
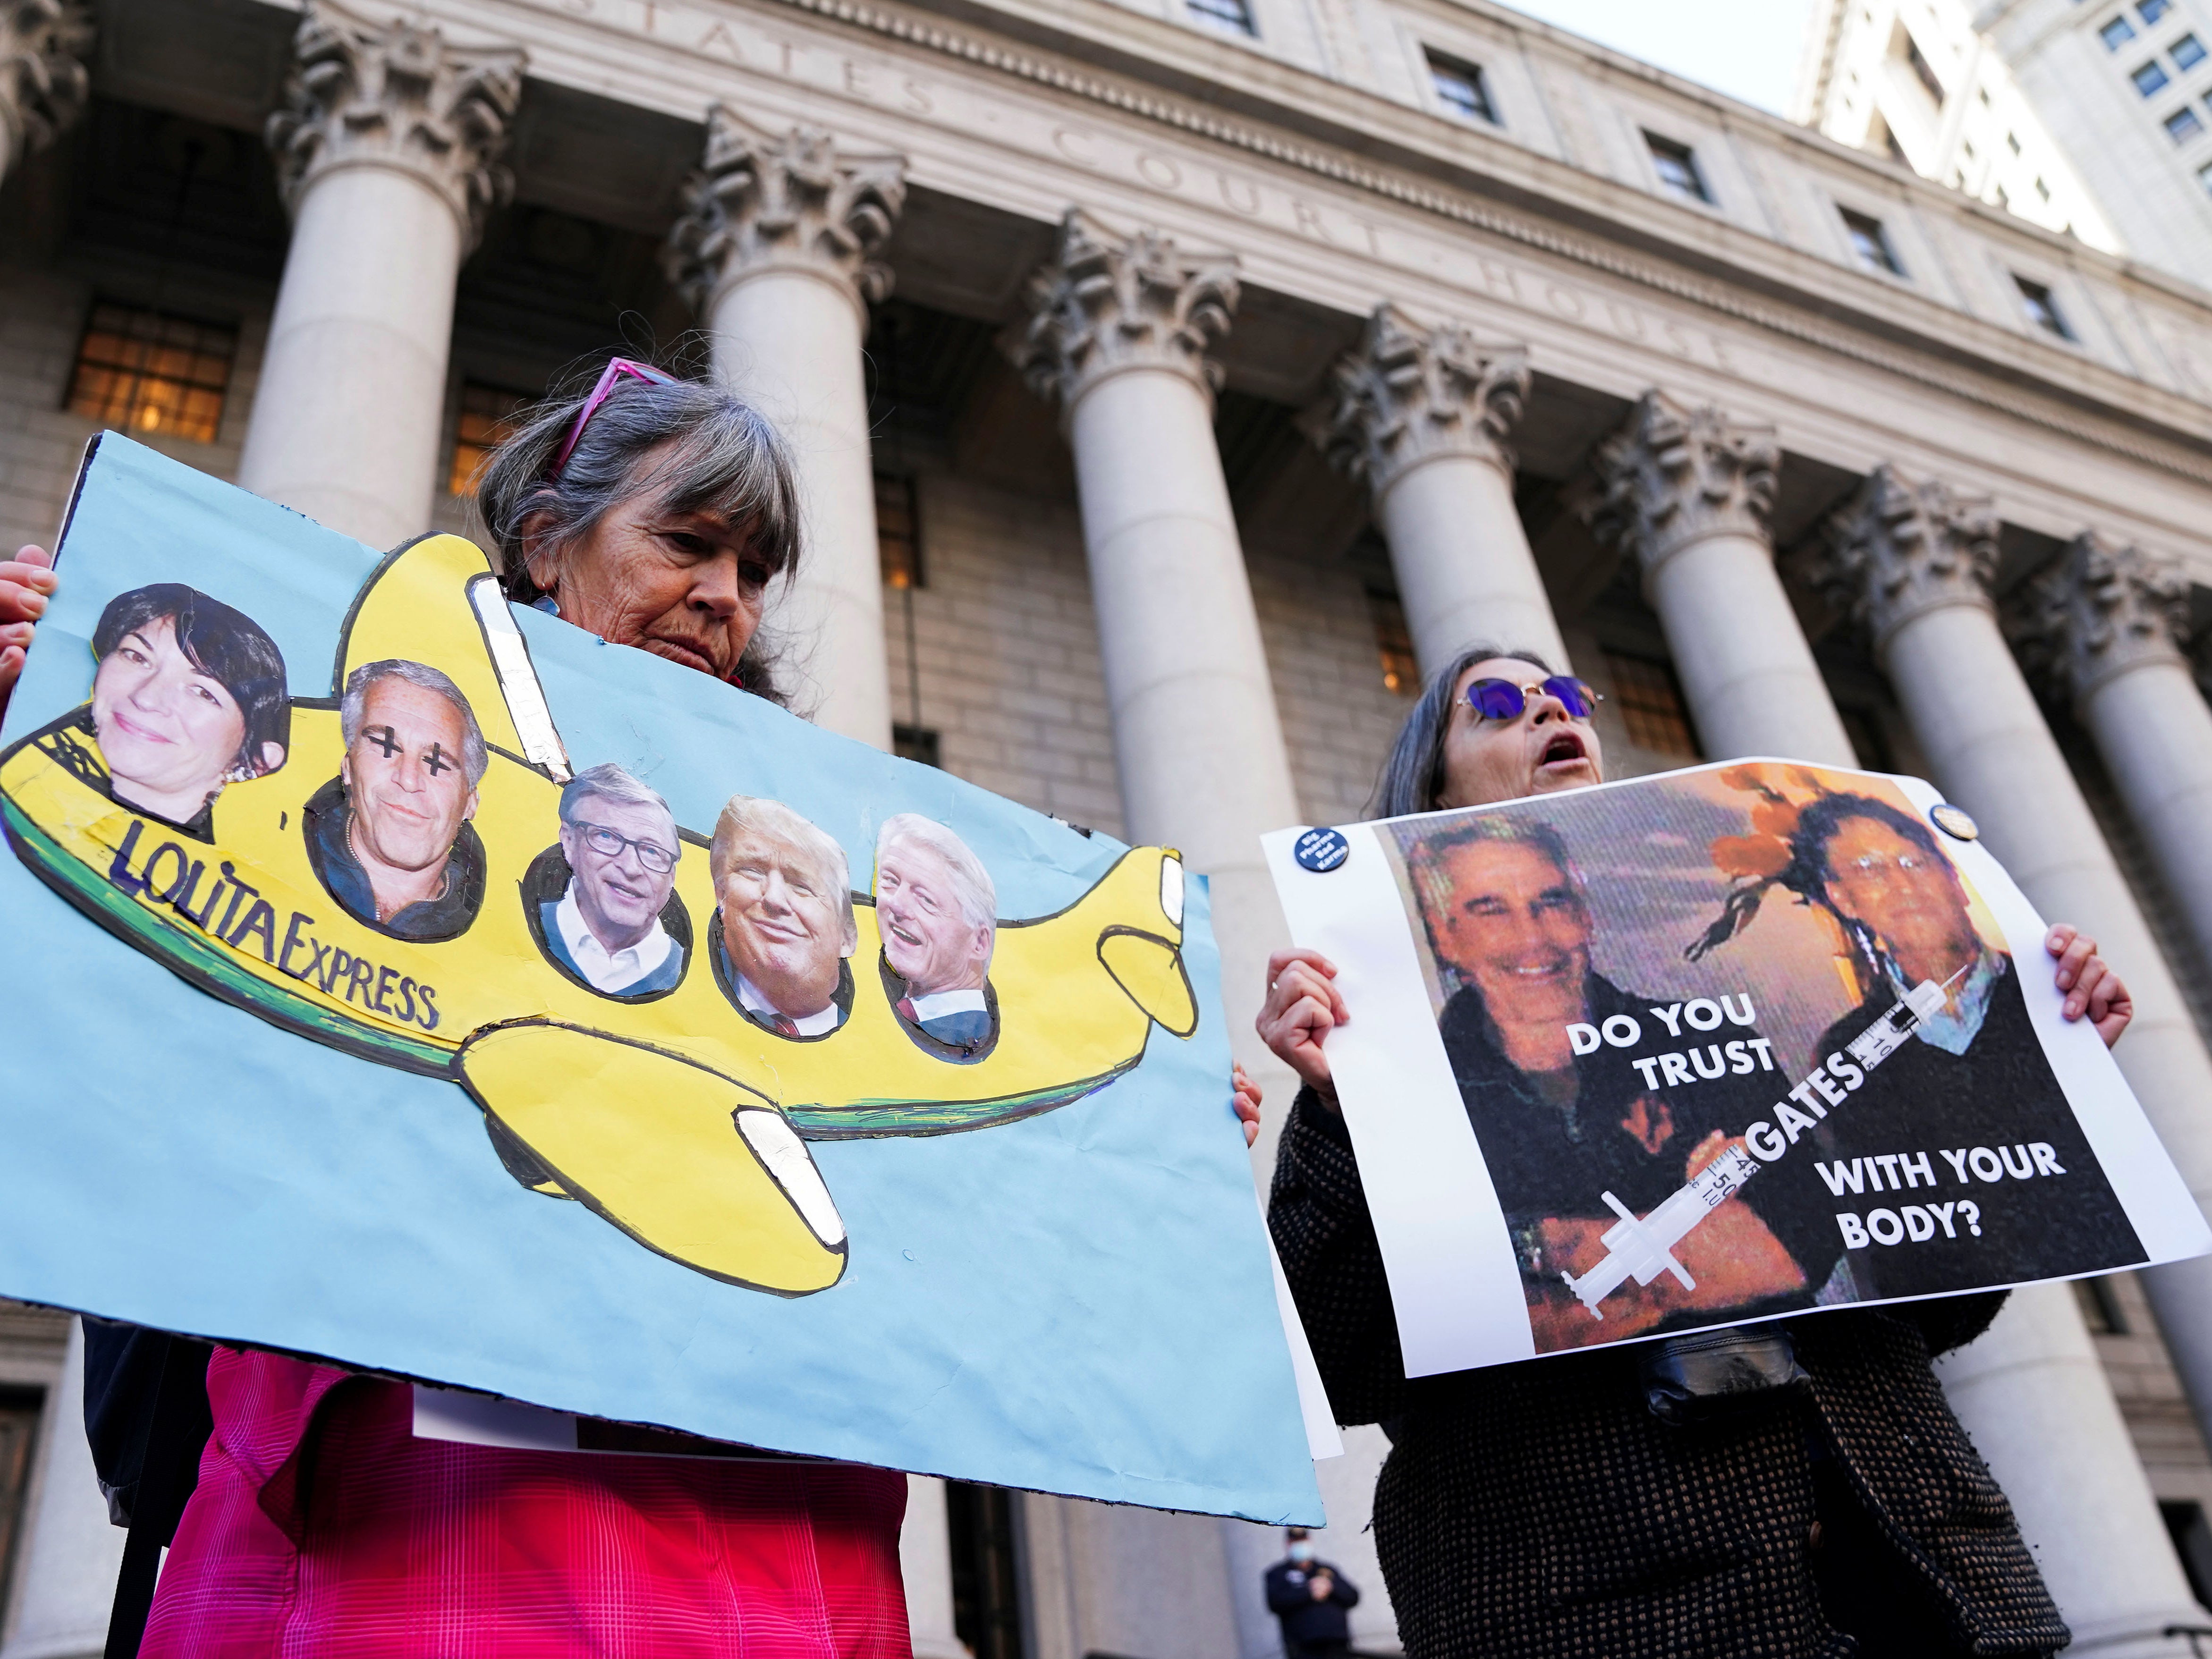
[(903, 1117), (196, 958)]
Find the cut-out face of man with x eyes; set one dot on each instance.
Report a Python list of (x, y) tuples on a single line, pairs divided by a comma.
[(406, 777)]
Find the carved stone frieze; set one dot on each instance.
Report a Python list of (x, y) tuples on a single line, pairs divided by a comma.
[(397, 94), (1672, 476), (2100, 609), (791, 199), (43, 83), (1409, 393), (1900, 549), (1108, 301)]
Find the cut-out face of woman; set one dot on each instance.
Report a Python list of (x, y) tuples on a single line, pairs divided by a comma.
[(172, 728)]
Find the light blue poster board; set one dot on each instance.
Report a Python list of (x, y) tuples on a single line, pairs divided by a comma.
[(1051, 1275)]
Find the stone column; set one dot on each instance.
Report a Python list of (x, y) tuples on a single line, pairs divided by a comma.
[(2107, 628), (1913, 563), (43, 84), (1421, 414), (776, 251), (1686, 491), (66, 1565), (926, 1565), (1118, 335), (387, 152)]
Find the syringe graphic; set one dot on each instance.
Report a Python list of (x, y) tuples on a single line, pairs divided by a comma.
[(1644, 1249)]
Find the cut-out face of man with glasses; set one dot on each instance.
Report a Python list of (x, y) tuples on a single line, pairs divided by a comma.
[(1896, 886), (620, 839)]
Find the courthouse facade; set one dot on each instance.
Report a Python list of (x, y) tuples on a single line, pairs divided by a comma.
[(1174, 381)]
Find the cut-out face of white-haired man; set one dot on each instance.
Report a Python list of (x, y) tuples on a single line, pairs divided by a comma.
[(786, 914), (620, 839), (938, 913)]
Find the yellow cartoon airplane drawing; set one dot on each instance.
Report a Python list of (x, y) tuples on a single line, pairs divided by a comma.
[(675, 1118)]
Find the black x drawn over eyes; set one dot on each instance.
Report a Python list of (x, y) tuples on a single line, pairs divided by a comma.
[(436, 761)]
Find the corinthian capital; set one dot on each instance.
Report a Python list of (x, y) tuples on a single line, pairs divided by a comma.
[(788, 200), (1897, 550), (1107, 302), (2101, 608), (1673, 475), (1408, 393), (42, 79), (397, 94)]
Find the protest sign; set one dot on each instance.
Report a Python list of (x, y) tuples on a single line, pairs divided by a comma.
[(406, 980), (1734, 1042)]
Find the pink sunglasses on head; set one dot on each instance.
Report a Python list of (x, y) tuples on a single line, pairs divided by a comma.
[(615, 369)]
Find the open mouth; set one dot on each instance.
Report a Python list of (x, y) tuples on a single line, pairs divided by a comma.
[(904, 935), (1565, 748)]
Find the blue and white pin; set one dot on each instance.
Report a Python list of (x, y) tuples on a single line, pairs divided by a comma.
[(1321, 850)]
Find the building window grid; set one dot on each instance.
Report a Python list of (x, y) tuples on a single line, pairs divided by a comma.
[(1923, 70), (1870, 243), (142, 370), (1234, 15), (2115, 34), (2151, 11), (2150, 78), (2187, 52), (1394, 643), (1677, 166), (485, 420), (1462, 87), (1649, 699), (2183, 124)]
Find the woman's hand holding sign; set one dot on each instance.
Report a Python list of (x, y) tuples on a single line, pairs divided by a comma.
[(27, 582), (1303, 1007), (2091, 986)]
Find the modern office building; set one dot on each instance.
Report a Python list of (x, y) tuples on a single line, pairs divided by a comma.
[(1174, 381)]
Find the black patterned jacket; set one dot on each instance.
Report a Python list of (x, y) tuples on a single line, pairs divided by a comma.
[(1540, 1511)]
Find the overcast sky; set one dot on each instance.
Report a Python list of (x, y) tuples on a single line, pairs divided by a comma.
[(1745, 48)]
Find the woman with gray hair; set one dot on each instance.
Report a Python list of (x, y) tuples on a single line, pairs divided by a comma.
[(657, 512), (1765, 1490)]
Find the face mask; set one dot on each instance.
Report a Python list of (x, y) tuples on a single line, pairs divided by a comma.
[(1302, 1550)]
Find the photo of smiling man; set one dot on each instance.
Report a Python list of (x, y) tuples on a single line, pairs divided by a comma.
[(784, 931), (618, 839), (938, 913), (390, 835)]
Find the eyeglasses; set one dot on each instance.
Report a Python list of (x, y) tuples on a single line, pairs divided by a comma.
[(616, 369), (1502, 700), (1879, 867), (609, 845)]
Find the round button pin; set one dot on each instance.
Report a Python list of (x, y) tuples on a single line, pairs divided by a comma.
[(1953, 822), (1321, 850)]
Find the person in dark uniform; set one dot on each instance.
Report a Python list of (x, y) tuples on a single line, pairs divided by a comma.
[(1311, 1598), (1558, 1130), (1979, 1139)]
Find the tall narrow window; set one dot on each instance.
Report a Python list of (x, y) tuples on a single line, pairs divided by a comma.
[(19, 1428), (2117, 33), (1649, 699), (2182, 125), (486, 416), (1870, 243), (1677, 166), (2150, 78), (2188, 52), (1226, 14), (2100, 1307), (1462, 89), (147, 371), (1923, 70), (1394, 643), (917, 743), (2042, 308), (898, 531), (987, 1606)]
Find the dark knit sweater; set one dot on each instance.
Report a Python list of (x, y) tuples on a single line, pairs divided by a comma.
[(1539, 1509)]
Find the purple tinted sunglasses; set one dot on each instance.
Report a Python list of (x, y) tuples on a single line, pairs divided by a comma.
[(617, 367), (1502, 700)]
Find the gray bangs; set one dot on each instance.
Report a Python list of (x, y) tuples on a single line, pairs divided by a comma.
[(1413, 776), (721, 456)]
